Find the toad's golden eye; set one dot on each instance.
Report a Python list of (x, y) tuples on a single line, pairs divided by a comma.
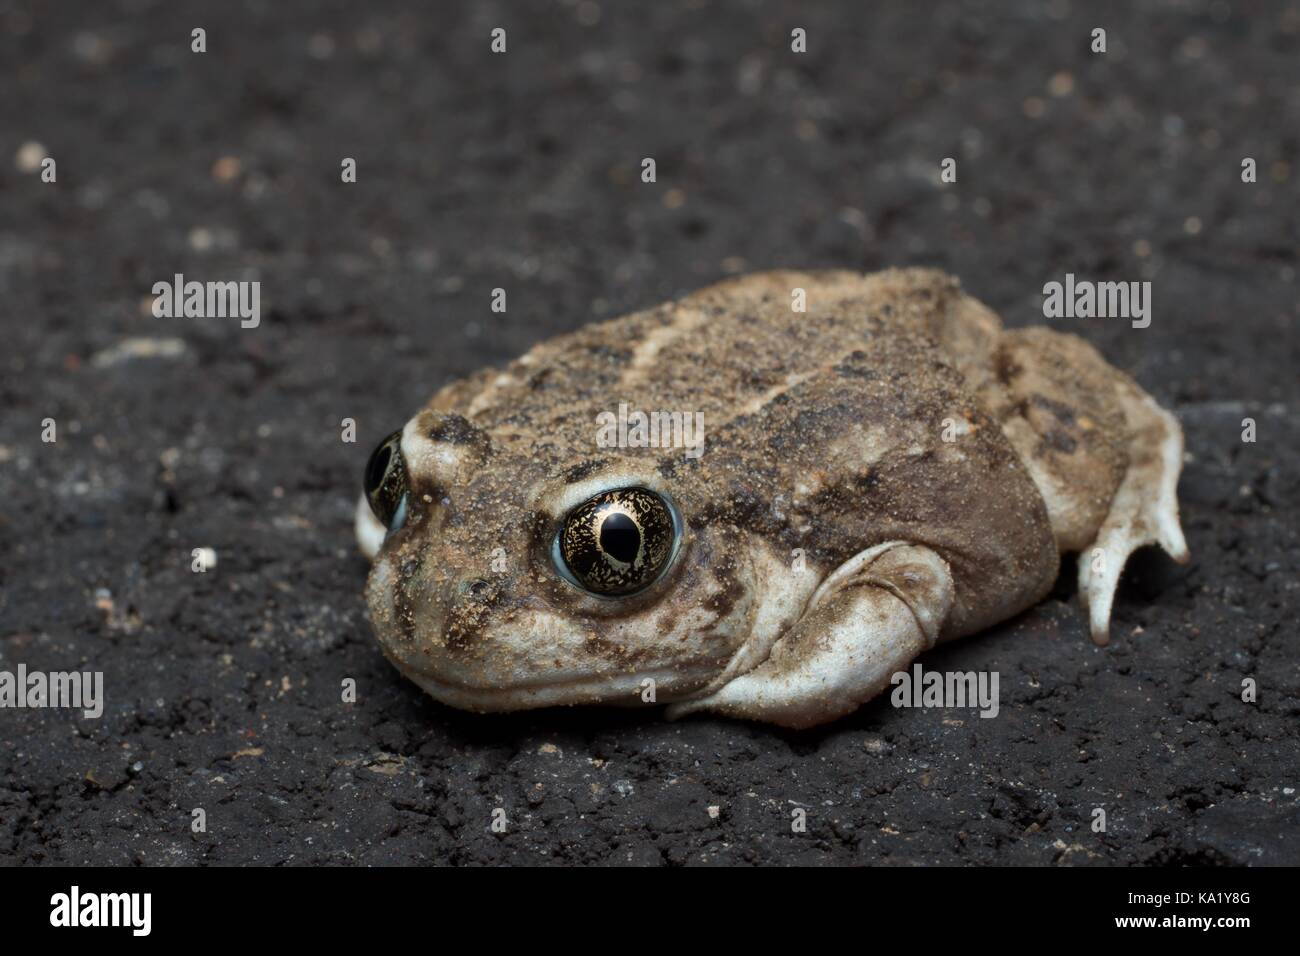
[(618, 542)]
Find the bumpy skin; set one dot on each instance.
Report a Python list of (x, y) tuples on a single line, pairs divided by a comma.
[(887, 469)]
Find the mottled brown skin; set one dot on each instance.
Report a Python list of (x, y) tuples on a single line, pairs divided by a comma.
[(825, 437)]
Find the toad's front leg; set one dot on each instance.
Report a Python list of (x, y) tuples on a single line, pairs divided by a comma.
[(867, 621)]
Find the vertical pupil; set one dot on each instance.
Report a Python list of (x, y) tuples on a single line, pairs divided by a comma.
[(620, 538), (378, 466)]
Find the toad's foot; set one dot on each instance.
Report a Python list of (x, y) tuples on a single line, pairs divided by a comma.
[(867, 621), (1143, 511)]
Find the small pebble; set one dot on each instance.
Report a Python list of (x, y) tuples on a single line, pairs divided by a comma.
[(29, 157)]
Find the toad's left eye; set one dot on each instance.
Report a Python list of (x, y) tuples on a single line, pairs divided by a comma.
[(385, 483), (617, 542)]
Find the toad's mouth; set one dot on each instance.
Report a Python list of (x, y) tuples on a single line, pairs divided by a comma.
[(613, 689)]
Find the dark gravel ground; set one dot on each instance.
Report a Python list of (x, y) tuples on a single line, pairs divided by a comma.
[(521, 171)]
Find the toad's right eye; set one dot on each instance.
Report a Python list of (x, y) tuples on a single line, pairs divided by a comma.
[(385, 483), (618, 542)]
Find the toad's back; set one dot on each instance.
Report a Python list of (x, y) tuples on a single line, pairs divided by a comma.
[(724, 351)]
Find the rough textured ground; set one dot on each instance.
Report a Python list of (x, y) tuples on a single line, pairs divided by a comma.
[(521, 171)]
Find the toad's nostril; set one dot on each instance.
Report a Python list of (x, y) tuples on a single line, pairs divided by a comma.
[(476, 588)]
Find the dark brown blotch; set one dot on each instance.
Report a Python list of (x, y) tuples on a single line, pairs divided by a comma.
[(583, 469), (457, 430)]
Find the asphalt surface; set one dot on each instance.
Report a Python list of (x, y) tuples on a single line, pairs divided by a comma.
[(521, 170)]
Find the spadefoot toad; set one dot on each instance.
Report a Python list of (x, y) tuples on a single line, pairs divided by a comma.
[(727, 504)]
